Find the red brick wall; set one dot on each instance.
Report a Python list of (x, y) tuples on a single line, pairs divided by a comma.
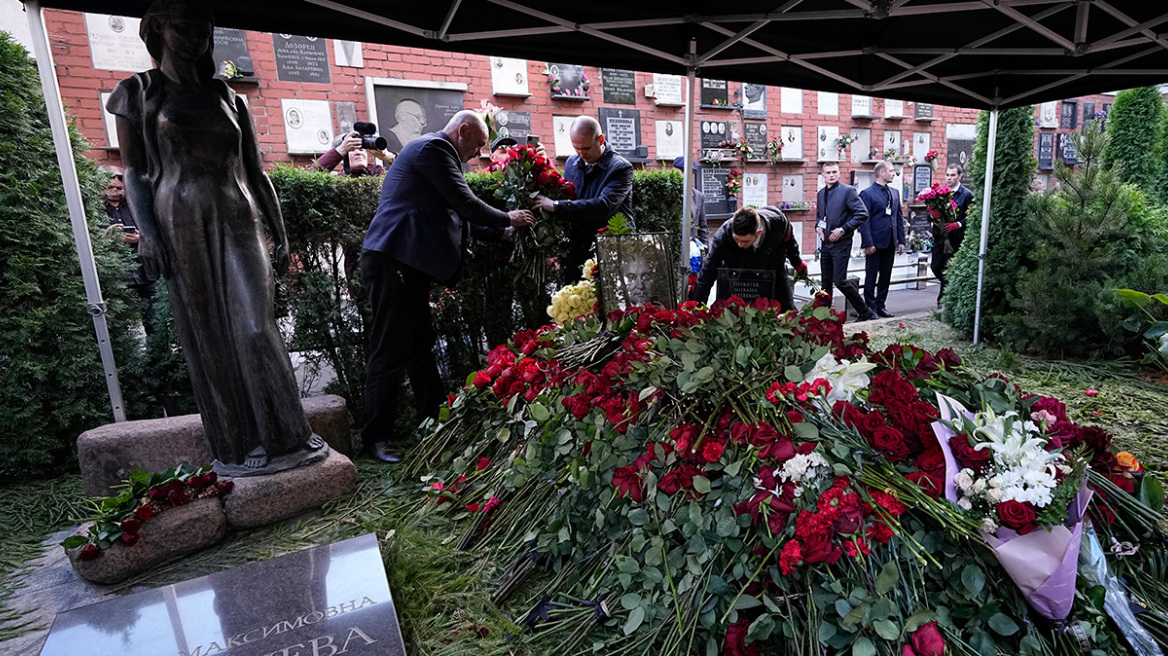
[(81, 85)]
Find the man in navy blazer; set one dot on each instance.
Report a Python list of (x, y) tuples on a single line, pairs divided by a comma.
[(954, 232), (418, 236), (604, 187), (883, 236), (839, 212)]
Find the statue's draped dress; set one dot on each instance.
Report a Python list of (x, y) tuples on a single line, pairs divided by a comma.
[(219, 276)]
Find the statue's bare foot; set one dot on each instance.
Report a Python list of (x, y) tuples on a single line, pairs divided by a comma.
[(256, 458), (315, 442)]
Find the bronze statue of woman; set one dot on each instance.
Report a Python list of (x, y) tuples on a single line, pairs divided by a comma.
[(195, 182)]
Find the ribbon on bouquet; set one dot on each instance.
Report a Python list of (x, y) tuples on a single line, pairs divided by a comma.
[(1042, 563)]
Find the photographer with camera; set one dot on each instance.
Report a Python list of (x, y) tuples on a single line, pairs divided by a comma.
[(142, 280), (356, 151)]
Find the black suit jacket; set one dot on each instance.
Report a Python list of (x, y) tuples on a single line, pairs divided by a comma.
[(881, 229), (424, 203), (778, 247), (843, 209)]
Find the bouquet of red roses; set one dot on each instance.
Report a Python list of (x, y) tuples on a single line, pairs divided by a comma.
[(525, 175), (942, 212)]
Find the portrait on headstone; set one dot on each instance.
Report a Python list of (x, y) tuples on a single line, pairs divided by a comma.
[(345, 114), (114, 44), (826, 143), (715, 134), (754, 190), (405, 113), (567, 81), (756, 135), (301, 59), (308, 125), (509, 76), (670, 139), (513, 123), (792, 136), (921, 145), (561, 134), (754, 101), (1048, 114), (634, 270), (793, 189)]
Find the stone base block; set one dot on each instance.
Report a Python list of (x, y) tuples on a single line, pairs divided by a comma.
[(260, 500), (165, 537), (108, 453)]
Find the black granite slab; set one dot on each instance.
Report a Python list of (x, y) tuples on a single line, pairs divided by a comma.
[(325, 600)]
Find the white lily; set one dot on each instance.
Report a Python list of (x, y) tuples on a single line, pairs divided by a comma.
[(846, 378)]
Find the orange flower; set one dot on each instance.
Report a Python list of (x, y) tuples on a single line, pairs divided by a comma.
[(1128, 462)]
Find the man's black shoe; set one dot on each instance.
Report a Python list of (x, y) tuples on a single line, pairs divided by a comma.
[(385, 452), (871, 316), (884, 313)]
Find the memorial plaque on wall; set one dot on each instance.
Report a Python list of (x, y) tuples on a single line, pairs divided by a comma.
[(561, 128), (308, 125), (793, 189), (921, 144), (622, 131), (754, 101), (513, 123), (406, 112), (670, 139), (862, 147), (747, 284), (825, 144), (620, 86), (1048, 114), (922, 179), (754, 189), (790, 100), (230, 45), (333, 596), (114, 43), (571, 80), (345, 114), (509, 77), (714, 133), (1066, 146), (1046, 150), (756, 135), (668, 89), (792, 141), (1088, 113), (923, 111), (919, 222), (348, 53), (715, 93), (892, 146), (959, 151), (828, 103), (862, 106), (301, 59), (893, 108), (1069, 114), (713, 184)]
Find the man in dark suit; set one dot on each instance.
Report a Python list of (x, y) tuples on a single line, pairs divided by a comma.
[(604, 187), (418, 236), (698, 227), (753, 239), (883, 234), (954, 232), (839, 212)]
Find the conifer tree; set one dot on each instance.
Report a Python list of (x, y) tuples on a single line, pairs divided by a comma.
[(1133, 127)]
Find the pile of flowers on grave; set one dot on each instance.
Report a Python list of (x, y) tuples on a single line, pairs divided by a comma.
[(576, 300), (735, 480), (142, 497)]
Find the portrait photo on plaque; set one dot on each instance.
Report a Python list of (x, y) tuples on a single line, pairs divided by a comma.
[(567, 80), (509, 76), (405, 113), (754, 101), (634, 270)]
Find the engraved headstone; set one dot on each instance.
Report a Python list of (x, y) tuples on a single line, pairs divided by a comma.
[(509, 76), (1088, 113), (922, 179), (406, 112), (345, 114), (826, 143), (622, 130), (919, 222), (1068, 115), (754, 101), (922, 142), (893, 108), (747, 284), (513, 123), (792, 141), (923, 111), (668, 89), (959, 151), (301, 59), (754, 189), (862, 106), (308, 125), (1066, 148), (892, 146), (620, 86), (1048, 114), (1046, 150), (756, 135), (793, 189), (114, 44), (713, 185), (714, 133), (567, 81), (670, 139), (230, 45), (561, 133), (330, 599), (714, 93)]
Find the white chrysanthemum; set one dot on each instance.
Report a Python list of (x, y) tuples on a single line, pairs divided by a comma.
[(846, 378), (803, 466)]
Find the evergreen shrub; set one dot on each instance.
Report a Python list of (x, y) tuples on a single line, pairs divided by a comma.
[(1133, 126)]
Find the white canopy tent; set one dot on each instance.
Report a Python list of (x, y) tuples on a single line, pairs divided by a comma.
[(986, 54)]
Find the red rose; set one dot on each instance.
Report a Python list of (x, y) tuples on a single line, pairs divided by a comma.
[(678, 479), (1061, 434), (175, 497), (129, 539), (929, 484), (1051, 405), (628, 483), (1094, 437), (931, 461), (1123, 482), (967, 456), (131, 526), (735, 644), (225, 486), (781, 450), (820, 548), (949, 357), (712, 450), (89, 552), (890, 442), (849, 520), (481, 380), (1018, 515), (927, 641), (872, 422), (143, 513)]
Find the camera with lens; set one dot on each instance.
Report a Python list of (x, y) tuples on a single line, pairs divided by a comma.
[(370, 140)]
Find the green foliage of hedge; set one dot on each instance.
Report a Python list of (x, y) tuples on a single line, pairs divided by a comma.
[(1006, 252), (52, 385), (1133, 126)]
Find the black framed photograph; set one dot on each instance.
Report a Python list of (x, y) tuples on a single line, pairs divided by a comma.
[(634, 270)]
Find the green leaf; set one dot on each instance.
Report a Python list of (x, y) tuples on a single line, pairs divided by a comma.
[(973, 579), (630, 601), (627, 565), (538, 412), (74, 541), (638, 517), (1003, 625), (863, 647), (746, 601), (842, 607), (701, 484), (919, 619), (761, 628), (733, 468), (636, 617), (826, 632), (1152, 492), (887, 579), (886, 629), (793, 373), (806, 431)]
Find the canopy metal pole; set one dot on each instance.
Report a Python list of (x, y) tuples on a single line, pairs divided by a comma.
[(94, 304), (987, 196), (687, 188)]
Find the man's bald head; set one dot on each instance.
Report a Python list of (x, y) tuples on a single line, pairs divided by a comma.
[(587, 138), (467, 130)]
